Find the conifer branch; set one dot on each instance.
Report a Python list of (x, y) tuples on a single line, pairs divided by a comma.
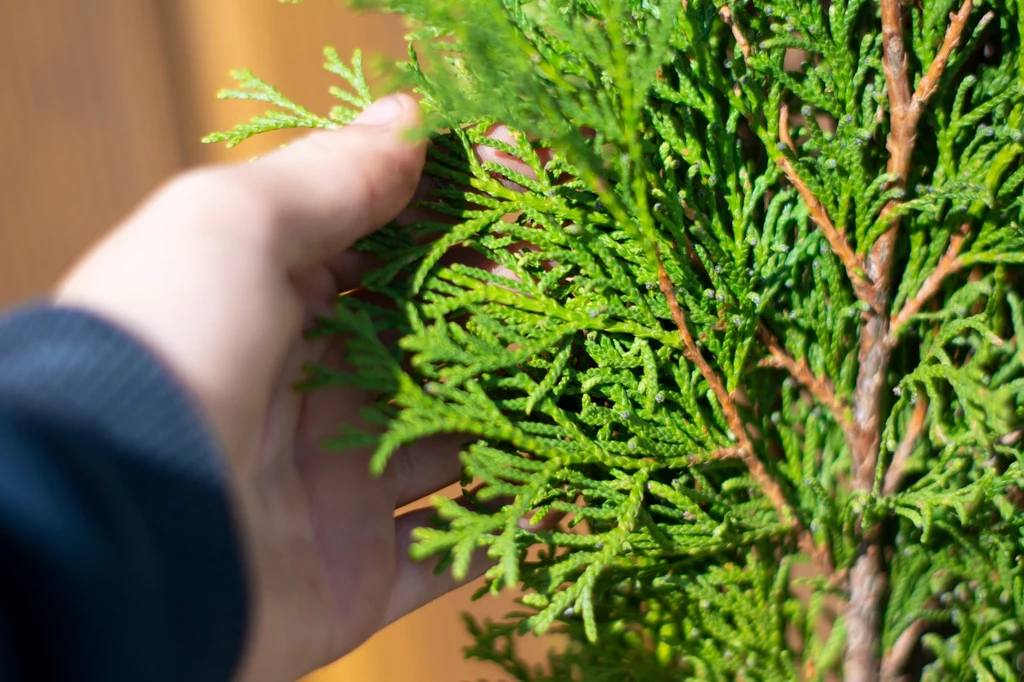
[(869, 583), (894, 476), (693, 354), (558, 368), (747, 453), (819, 214), (930, 82), (949, 264), (819, 387), (905, 111), (874, 356), (837, 240)]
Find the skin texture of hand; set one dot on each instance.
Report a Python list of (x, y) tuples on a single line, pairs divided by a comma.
[(219, 273)]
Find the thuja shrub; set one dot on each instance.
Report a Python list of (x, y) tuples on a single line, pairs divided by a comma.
[(755, 334)]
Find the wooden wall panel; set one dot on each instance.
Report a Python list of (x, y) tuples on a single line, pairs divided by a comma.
[(281, 44), (86, 128)]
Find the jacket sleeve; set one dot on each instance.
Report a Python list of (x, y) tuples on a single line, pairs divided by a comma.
[(119, 559)]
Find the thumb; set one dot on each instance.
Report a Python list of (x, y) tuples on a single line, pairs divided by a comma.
[(329, 189)]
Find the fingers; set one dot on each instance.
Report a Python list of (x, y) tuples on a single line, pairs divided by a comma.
[(426, 467), (416, 584), (501, 133), (326, 191), (418, 470)]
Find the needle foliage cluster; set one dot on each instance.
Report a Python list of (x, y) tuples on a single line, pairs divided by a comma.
[(756, 334)]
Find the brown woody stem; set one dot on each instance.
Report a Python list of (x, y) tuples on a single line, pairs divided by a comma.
[(716, 456), (770, 487), (868, 579), (737, 34), (896, 658), (894, 476), (905, 110), (784, 136), (954, 34), (853, 263), (819, 387), (869, 583), (949, 264)]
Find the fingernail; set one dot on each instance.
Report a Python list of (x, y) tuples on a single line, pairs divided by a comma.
[(381, 112)]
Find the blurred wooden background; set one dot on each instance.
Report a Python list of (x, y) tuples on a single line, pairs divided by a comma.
[(101, 101)]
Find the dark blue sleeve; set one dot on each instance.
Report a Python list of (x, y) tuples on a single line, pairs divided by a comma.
[(119, 560)]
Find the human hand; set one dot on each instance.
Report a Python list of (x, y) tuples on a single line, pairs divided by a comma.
[(218, 274)]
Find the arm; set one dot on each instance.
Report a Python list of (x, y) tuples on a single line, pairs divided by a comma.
[(119, 554), (132, 563)]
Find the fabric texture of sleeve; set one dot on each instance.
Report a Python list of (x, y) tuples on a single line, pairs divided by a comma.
[(119, 559)]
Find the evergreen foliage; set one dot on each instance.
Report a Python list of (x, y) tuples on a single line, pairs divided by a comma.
[(756, 333)]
